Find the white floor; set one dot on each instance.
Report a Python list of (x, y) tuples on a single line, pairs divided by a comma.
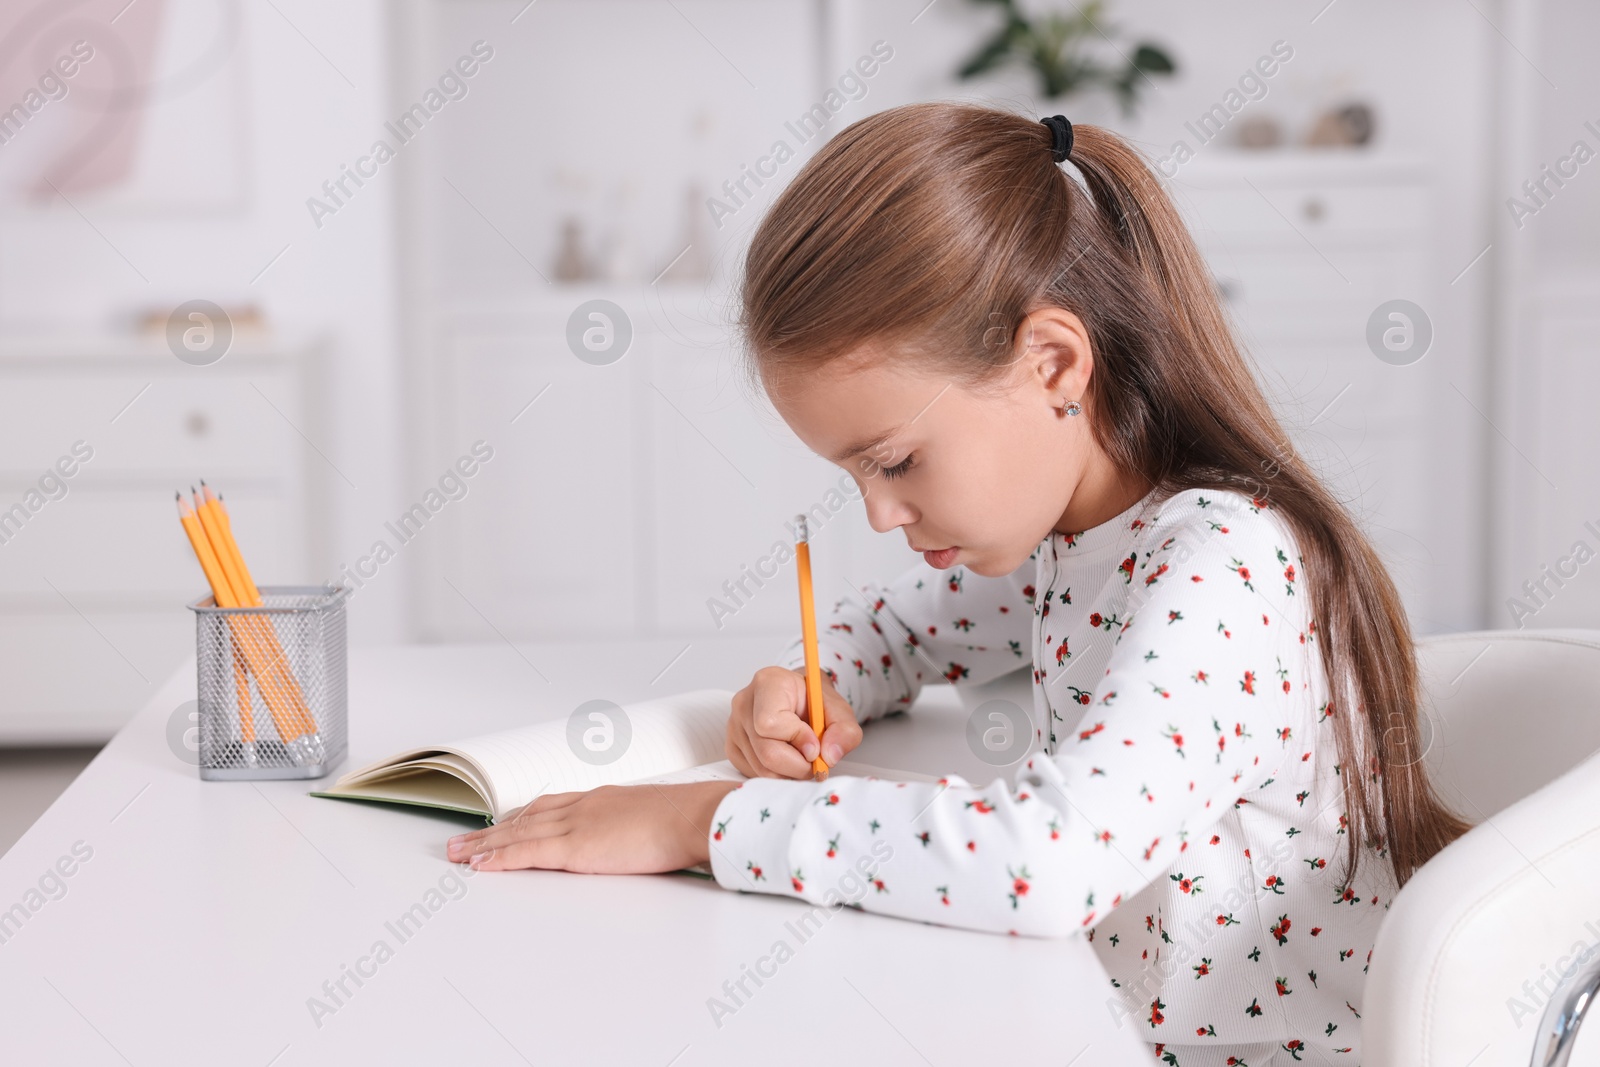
[(30, 781)]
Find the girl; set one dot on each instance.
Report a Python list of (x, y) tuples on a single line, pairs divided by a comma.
[(1034, 381)]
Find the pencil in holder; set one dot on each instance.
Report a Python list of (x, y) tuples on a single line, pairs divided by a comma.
[(271, 684)]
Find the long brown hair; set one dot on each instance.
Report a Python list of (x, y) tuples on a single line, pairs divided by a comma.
[(935, 228)]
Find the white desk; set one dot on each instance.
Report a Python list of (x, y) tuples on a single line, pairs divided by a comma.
[(210, 912)]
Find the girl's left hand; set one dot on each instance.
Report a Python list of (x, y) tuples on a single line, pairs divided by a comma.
[(614, 829)]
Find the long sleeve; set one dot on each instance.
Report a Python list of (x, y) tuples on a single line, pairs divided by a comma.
[(882, 644), (1192, 714)]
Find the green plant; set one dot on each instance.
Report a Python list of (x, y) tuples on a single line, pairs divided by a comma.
[(1054, 46)]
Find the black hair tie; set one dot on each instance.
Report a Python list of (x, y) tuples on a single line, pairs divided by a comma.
[(1060, 136)]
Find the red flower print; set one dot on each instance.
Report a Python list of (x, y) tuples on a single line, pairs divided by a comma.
[(1249, 683), (1084, 735), (833, 846), (1274, 883), (1188, 885), (1094, 620), (1156, 1018), (1283, 987), (877, 883), (944, 894), (721, 828), (1062, 655), (982, 806), (972, 846), (1126, 567), (1019, 884), (1281, 929), (795, 880), (755, 871), (955, 673)]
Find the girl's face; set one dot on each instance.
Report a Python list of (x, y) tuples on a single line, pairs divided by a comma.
[(976, 478)]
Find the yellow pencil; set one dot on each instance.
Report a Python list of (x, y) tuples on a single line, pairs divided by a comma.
[(808, 637), (215, 517), (245, 630)]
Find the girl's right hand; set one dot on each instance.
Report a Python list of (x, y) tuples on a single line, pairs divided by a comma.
[(769, 731)]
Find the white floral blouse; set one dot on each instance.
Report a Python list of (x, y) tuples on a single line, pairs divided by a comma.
[(1181, 803)]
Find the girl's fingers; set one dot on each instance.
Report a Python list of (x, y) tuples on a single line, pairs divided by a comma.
[(782, 758), (779, 714), (546, 850), (519, 823), (746, 762), (842, 733)]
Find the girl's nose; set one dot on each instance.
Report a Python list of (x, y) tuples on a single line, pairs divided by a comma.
[(886, 511)]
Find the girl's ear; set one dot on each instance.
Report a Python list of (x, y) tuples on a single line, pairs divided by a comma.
[(1053, 347)]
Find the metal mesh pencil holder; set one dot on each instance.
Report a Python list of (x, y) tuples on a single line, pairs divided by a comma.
[(271, 684)]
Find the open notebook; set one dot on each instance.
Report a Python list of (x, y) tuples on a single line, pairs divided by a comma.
[(678, 738)]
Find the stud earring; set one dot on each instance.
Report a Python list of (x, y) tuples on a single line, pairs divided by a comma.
[(1071, 407)]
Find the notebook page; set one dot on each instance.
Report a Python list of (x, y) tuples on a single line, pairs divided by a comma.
[(668, 734)]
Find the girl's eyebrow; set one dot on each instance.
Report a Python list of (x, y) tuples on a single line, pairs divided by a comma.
[(866, 446)]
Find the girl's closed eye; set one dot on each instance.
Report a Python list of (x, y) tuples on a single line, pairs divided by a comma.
[(899, 468)]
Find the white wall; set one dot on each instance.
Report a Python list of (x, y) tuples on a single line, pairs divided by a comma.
[(300, 116), (577, 117)]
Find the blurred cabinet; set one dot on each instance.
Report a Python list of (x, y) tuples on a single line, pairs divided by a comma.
[(629, 499), (1305, 246), (95, 571)]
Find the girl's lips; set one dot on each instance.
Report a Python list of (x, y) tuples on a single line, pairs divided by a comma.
[(941, 559)]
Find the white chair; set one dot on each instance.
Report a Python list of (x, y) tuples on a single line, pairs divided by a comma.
[(1490, 954)]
